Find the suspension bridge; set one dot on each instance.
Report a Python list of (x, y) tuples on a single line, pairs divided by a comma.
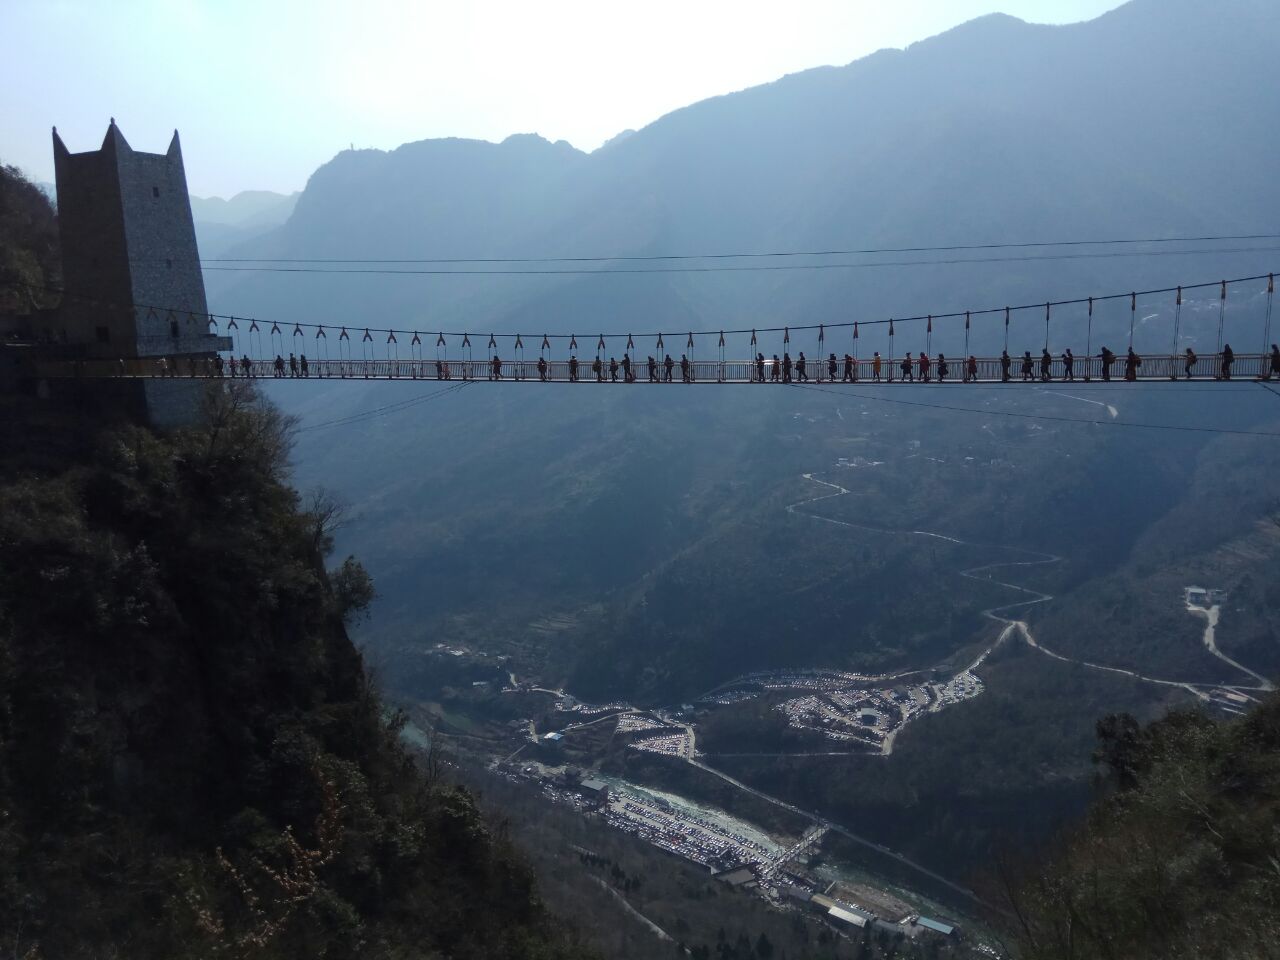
[(824, 352)]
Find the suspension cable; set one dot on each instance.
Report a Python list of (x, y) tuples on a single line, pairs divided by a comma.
[(814, 326), (1222, 315), (1271, 295), (753, 256)]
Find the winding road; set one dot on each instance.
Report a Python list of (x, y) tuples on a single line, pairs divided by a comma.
[(1000, 614), (996, 613), (1210, 615)]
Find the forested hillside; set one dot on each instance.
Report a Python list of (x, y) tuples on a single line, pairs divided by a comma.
[(193, 761), (1179, 862), (29, 259)]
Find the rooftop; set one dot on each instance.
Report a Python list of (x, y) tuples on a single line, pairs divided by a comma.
[(847, 916), (737, 877), (937, 925)]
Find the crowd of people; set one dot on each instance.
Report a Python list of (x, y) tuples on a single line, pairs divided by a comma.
[(658, 371), (919, 368)]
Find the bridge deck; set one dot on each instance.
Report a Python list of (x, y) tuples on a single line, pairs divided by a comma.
[(1154, 367)]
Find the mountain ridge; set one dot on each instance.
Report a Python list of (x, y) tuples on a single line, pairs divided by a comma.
[(1070, 132)]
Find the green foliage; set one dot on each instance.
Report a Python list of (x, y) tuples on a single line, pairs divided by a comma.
[(353, 590), (1181, 861), (29, 253), (192, 760)]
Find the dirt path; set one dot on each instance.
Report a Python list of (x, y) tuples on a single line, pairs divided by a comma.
[(653, 927), (611, 715), (1211, 644), (1189, 687)]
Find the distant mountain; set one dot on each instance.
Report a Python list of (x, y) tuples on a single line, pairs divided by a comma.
[(249, 208), (221, 224), (996, 131)]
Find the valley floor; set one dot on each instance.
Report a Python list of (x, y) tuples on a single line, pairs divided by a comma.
[(857, 714)]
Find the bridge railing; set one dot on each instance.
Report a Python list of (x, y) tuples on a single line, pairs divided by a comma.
[(988, 369)]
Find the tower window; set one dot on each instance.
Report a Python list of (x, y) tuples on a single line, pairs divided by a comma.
[(155, 191)]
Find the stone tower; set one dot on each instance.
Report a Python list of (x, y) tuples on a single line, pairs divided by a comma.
[(131, 269)]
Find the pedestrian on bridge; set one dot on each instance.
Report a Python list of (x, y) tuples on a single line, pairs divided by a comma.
[(1005, 362), (1274, 369), (1131, 364), (850, 376), (293, 365), (685, 373), (924, 367), (1107, 358), (1028, 366), (800, 368), (971, 369), (302, 364), (667, 364), (943, 369), (495, 368), (1189, 362), (875, 367), (279, 366), (626, 368), (760, 367), (786, 367), (653, 370), (905, 367), (245, 365), (613, 370), (1046, 365), (1228, 358), (776, 371), (831, 367), (598, 369), (1069, 363)]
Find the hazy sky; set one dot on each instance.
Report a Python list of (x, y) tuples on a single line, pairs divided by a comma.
[(264, 91)]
